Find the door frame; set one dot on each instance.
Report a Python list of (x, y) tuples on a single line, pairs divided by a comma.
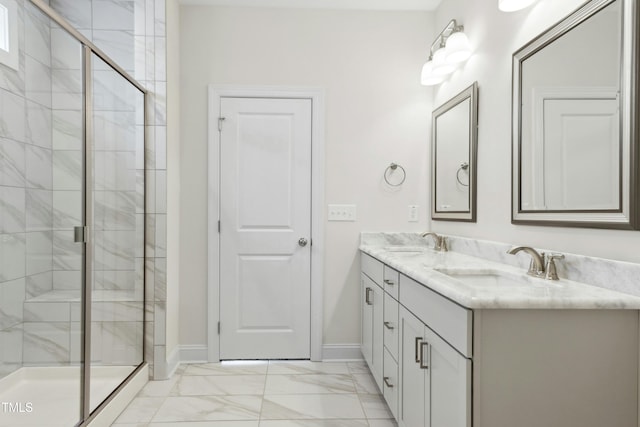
[(316, 95)]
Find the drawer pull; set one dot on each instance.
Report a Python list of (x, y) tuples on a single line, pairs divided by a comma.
[(366, 296), (389, 282), (388, 326), (387, 383), (423, 362), (417, 349)]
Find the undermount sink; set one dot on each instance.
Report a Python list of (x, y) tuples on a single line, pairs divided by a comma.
[(486, 277), (408, 250)]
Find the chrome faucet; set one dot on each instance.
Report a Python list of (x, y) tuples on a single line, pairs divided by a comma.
[(541, 265), (440, 242)]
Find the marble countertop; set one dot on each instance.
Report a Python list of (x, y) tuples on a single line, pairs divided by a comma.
[(479, 283)]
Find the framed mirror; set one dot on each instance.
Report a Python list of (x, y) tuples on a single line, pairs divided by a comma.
[(454, 148), (575, 160)]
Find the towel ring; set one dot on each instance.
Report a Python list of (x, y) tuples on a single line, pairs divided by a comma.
[(463, 167), (392, 168)]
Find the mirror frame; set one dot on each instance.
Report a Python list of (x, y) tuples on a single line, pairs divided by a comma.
[(470, 93), (628, 216)]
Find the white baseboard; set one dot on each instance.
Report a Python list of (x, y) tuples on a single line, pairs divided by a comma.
[(336, 352), (193, 353), (173, 361)]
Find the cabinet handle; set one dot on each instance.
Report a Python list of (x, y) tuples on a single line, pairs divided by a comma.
[(388, 325), (389, 282), (423, 364), (366, 296), (417, 348), (387, 383)]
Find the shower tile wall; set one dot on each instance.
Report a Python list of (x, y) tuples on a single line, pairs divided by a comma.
[(39, 186), (132, 33), (26, 194)]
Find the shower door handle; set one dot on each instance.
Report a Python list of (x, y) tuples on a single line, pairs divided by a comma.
[(80, 234)]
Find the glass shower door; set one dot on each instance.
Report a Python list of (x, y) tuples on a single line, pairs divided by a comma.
[(117, 229)]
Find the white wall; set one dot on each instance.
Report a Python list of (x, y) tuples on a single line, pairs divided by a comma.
[(376, 113), (496, 36)]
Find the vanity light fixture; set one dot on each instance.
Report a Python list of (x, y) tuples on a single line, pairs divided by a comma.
[(514, 5), (441, 67), (427, 77), (449, 49)]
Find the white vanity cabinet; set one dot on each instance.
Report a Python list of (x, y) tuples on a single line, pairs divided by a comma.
[(441, 364)]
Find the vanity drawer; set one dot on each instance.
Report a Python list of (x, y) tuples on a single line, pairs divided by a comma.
[(372, 268), (451, 321), (390, 383), (391, 329), (391, 281)]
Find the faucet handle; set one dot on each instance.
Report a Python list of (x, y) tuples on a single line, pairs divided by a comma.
[(550, 268)]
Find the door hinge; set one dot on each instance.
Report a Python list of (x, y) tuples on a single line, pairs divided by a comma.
[(218, 226), (80, 234), (218, 328), (220, 120)]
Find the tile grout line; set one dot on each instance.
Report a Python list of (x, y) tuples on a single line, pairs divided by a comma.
[(164, 399), (355, 386), (264, 391)]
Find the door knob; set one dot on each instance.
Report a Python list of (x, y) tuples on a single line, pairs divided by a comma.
[(302, 242)]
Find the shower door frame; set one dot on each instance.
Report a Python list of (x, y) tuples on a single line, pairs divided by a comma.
[(89, 49)]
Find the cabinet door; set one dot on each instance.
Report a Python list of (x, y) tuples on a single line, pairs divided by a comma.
[(413, 398), (377, 348), (366, 311), (450, 383)]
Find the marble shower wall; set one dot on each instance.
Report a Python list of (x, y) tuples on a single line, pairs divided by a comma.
[(132, 33), (26, 186)]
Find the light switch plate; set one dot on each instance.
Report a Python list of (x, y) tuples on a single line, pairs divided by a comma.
[(342, 213), (413, 212)]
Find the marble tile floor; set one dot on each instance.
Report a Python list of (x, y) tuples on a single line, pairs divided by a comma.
[(261, 394)]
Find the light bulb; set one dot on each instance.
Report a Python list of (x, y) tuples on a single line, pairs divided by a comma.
[(440, 65), (458, 48), (427, 78), (513, 5)]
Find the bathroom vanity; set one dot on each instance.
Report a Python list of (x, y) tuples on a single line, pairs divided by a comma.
[(454, 340)]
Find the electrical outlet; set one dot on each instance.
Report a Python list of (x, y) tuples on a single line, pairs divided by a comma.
[(342, 212), (413, 213)]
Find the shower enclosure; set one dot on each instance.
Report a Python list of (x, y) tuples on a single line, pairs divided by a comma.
[(72, 205)]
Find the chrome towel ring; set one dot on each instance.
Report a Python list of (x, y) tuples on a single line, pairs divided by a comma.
[(463, 167), (388, 172)]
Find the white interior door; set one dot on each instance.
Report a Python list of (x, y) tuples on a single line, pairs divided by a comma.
[(265, 226), (581, 154)]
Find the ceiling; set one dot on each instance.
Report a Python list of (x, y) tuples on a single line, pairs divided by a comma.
[(325, 4)]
